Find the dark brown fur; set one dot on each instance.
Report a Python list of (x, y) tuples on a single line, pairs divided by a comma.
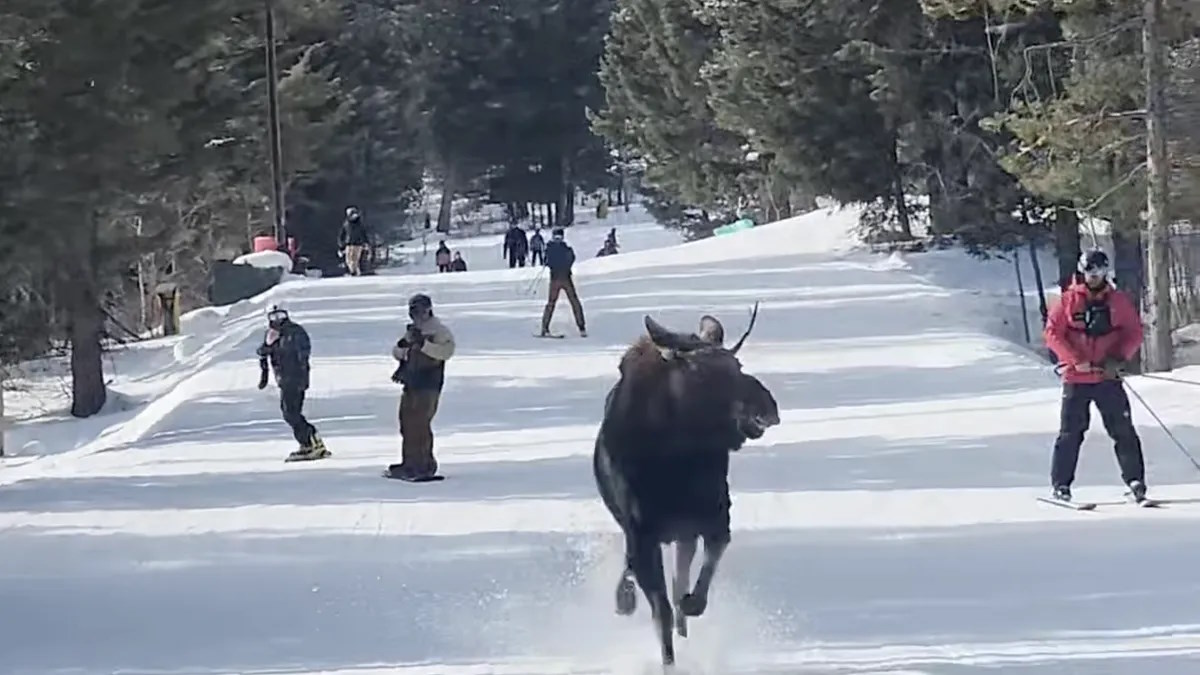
[(661, 461)]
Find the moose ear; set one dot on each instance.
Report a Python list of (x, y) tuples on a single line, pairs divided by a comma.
[(712, 331)]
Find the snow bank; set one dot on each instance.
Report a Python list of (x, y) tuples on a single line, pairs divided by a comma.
[(266, 260)]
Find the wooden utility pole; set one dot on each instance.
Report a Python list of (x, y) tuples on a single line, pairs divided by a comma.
[(1158, 269), (3, 422), (273, 133)]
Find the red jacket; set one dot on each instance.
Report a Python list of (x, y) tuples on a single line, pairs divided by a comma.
[(1065, 332)]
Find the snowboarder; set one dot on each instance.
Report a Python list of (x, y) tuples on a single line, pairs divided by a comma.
[(560, 258), (422, 352), (1095, 329), (286, 347), (353, 240), (516, 246), (537, 248)]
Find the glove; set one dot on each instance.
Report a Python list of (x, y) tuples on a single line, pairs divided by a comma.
[(262, 381), (1114, 368), (398, 374)]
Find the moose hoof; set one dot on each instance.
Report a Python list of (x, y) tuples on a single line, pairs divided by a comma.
[(626, 597), (693, 605)]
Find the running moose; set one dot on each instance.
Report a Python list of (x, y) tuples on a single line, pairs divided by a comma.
[(661, 461)]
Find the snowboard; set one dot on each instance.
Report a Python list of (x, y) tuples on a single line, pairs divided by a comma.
[(290, 458), (427, 479), (556, 336)]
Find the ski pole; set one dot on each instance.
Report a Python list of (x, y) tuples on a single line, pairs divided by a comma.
[(533, 284), (1179, 444), (1164, 378)]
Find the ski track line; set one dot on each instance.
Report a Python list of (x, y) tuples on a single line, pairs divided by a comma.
[(776, 511), (859, 658)]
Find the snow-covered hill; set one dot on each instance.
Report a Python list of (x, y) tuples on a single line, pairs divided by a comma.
[(887, 526)]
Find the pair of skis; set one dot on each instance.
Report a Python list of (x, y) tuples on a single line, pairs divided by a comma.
[(1091, 506)]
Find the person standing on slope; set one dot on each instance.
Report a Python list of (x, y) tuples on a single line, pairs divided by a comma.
[(516, 246), (353, 240), (537, 248), (286, 347), (560, 258), (1095, 329), (422, 352)]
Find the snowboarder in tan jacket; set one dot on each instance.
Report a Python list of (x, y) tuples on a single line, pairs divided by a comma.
[(422, 352)]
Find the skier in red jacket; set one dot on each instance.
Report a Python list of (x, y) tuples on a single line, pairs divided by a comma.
[(1095, 329)]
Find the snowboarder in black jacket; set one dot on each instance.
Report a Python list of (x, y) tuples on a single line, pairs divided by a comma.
[(286, 348)]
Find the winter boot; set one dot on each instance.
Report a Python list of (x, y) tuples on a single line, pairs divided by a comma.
[(315, 450), (1137, 491)]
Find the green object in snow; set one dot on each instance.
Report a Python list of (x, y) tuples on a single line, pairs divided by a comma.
[(735, 226)]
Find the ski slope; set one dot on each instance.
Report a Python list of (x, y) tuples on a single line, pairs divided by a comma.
[(887, 526)]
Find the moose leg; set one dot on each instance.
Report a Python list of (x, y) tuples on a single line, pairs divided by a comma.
[(648, 570), (685, 553), (694, 603), (626, 588)]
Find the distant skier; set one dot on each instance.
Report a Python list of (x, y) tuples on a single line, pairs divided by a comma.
[(458, 264), (560, 258), (422, 352), (286, 347), (516, 246), (537, 248), (1095, 329), (353, 240)]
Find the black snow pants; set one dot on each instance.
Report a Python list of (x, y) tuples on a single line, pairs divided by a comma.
[(291, 401), (515, 260), (1113, 404)]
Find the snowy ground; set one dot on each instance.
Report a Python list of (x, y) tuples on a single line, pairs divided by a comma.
[(887, 526)]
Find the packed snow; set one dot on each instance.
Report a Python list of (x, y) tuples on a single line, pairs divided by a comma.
[(887, 526)]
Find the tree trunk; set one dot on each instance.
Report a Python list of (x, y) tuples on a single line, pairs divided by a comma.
[(1067, 246), (566, 200), (902, 214), (88, 392), (1128, 271), (445, 211), (1158, 349)]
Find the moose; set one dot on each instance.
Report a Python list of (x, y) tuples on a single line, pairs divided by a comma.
[(661, 462)]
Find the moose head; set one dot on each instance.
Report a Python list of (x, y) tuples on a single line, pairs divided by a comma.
[(754, 407)]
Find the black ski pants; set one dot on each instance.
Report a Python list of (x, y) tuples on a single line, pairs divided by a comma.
[(515, 260), (1075, 416), (291, 401)]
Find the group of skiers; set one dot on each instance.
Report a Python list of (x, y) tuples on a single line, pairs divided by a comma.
[(422, 352), (1094, 330)]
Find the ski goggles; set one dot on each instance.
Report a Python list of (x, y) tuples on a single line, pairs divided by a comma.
[(276, 315)]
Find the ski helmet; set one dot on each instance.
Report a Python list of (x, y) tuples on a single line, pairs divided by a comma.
[(276, 315), (1094, 262)]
